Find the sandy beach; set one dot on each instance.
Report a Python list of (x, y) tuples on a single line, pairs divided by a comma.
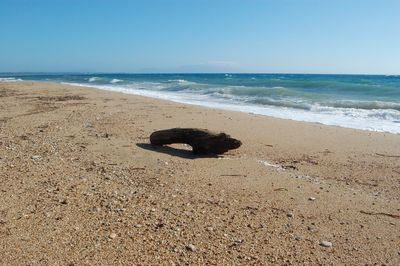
[(81, 185)]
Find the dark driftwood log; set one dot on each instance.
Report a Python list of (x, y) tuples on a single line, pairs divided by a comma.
[(201, 140)]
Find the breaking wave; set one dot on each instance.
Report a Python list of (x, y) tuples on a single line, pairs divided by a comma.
[(113, 81), (93, 79), (10, 79)]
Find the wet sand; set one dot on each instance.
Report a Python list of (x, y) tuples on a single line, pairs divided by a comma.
[(80, 184)]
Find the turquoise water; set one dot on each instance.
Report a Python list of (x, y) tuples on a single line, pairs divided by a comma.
[(355, 101)]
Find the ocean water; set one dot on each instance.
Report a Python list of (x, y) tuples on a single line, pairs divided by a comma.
[(368, 102)]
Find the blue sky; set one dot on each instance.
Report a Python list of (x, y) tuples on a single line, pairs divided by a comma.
[(285, 36)]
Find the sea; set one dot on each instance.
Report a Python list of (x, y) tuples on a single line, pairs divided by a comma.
[(368, 102)]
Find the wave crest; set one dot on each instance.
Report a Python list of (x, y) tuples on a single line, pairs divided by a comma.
[(93, 79), (10, 79), (366, 105), (113, 81)]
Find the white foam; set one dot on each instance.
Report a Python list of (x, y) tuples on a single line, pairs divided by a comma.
[(178, 80), (93, 79), (9, 79), (113, 81)]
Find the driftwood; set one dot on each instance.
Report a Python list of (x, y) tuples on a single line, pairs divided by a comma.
[(201, 140)]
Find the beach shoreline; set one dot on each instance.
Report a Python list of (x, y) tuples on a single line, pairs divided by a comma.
[(351, 101), (81, 184)]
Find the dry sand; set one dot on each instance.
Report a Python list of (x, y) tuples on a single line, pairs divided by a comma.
[(81, 185)]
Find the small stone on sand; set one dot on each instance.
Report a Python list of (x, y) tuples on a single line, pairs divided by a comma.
[(325, 244), (191, 247)]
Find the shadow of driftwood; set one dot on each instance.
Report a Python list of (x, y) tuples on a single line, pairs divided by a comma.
[(174, 152)]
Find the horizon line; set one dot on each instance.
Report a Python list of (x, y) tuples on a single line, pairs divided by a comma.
[(185, 73)]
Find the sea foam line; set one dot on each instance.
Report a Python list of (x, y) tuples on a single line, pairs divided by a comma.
[(10, 79), (370, 120)]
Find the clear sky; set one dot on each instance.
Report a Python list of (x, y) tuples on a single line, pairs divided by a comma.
[(285, 36)]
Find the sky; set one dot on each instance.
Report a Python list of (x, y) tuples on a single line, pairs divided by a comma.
[(256, 36)]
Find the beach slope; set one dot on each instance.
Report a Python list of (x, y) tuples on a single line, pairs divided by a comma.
[(80, 184)]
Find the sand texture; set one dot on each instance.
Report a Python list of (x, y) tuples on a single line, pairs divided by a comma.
[(81, 185)]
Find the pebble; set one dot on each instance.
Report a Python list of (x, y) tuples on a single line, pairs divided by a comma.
[(36, 157), (63, 201), (191, 247), (311, 198), (289, 214), (312, 228), (113, 235), (325, 244)]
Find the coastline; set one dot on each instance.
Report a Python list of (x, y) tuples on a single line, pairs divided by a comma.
[(98, 193), (361, 102)]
